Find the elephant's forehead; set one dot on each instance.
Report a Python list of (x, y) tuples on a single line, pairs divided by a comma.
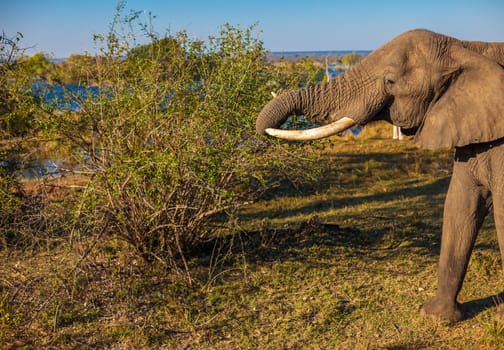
[(414, 44)]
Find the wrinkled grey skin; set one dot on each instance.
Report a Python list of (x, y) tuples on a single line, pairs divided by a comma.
[(448, 93)]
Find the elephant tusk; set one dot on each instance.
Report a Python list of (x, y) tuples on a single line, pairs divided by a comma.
[(315, 133)]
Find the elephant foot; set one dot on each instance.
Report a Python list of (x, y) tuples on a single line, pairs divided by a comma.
[(441, 310)]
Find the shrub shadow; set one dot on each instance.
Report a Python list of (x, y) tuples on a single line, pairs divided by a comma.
[(475, 307), (270, 245), (414, 190), (425, 235)]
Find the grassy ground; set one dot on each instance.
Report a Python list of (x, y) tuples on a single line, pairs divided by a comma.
[(344, 264)]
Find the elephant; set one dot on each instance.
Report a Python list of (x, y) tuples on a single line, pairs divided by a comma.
[(445, 93)]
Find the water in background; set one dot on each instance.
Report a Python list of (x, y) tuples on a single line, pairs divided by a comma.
[(61, 97), (58, 95)]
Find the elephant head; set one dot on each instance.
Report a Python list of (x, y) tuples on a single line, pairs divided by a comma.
[(447, 92)]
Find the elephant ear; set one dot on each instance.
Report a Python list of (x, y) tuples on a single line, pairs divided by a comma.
[(471, 109)]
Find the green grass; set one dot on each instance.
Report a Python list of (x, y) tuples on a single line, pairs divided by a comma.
[(343, 264)]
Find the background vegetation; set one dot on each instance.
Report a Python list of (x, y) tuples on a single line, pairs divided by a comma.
[(170, 224)]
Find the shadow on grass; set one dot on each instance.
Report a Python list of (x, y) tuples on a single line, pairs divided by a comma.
[(474, 307), (315, 243), (268, 244), (414, 190), (389, 233)]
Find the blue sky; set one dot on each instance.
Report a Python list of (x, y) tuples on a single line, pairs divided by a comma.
[(62, 27)]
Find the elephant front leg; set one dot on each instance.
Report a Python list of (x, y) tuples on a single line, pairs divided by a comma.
[(498, 207), (465, 208)]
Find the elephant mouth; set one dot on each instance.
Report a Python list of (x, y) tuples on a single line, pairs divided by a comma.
[(409, 131)]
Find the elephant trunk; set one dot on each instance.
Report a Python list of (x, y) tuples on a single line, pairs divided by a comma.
[(325, 103), (278, 110)]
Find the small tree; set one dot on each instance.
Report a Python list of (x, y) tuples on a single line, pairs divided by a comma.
[(38, 65), (170, 140), (350, 59)]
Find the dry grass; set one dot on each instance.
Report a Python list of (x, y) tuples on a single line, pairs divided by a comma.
[(344, 264)]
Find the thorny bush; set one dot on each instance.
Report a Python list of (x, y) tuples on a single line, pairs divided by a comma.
[(169, 138)]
